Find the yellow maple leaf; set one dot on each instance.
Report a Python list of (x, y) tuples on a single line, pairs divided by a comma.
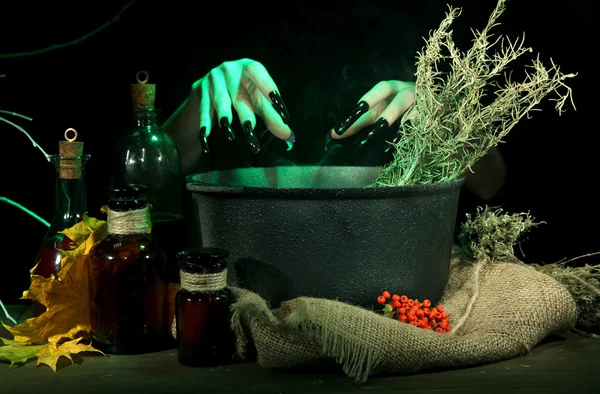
[(18, 353), (85, 234), (66, 297), (67, 305), (50, 354)]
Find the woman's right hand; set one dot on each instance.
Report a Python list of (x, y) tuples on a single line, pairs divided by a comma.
[(246, 86)]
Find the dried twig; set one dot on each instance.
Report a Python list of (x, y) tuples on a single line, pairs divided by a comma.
[(70, 43), (15, 114), (22, 130), (565, 261)]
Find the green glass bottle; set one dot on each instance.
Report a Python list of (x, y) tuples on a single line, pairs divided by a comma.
[(147, 155)]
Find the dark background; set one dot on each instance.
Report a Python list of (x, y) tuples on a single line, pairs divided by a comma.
[(323, 57)]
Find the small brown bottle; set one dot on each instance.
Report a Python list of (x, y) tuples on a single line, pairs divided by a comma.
[(128, 314), (204, 334)]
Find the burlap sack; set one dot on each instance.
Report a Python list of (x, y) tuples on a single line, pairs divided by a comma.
[(498, 311)]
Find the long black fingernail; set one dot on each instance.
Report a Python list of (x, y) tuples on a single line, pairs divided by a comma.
[(280, 106), (250, 137), (328, 140), (357, 112), (390, 143), (226, 126), (290, 141), (203, 140), (372, 131)]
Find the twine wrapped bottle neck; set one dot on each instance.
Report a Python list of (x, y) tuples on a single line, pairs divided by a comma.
[(203, 282), (136, 221)]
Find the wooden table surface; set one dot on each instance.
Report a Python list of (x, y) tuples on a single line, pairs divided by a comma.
[(570, 364)]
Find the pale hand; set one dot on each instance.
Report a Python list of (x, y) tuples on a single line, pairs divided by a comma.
[(246, 86), (376, 111)]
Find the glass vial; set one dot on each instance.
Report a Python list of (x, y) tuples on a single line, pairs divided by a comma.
[(204, 334), (129, 310), (69, 206)]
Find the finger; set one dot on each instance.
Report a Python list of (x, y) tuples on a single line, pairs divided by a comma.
[(263, 107), (365, 120), (243, 106), (221, 100), (206, 114), (245, 110), (240, 100), (259, 75), (380, 92), (399, 105), (274, 122), (383, 90)]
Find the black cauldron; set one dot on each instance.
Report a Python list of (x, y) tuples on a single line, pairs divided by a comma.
[(322, 232)]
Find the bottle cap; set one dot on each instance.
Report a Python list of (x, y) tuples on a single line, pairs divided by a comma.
[(127, 192), (70, 155), (203, 260), (131, 196), (143, 93)]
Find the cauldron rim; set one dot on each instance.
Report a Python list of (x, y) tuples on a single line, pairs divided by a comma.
[(195, 185)]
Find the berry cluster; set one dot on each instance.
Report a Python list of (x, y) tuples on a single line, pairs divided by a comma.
[(418, 314)]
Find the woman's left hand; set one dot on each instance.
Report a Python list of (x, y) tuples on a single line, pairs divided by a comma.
[(376, 111)]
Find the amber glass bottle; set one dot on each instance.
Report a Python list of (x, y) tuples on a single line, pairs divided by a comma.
[(70, 205), (128, 315), (204, 334)]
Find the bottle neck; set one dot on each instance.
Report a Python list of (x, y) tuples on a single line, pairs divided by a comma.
[(70, 192), (203, 282), (128, 221), (145, 118)]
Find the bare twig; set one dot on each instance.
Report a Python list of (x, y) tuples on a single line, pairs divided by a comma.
[(34, 215), (15, 114), (564, 261), (70, 43), (587, 334), (8, 316), (22, 130), (24, 209)]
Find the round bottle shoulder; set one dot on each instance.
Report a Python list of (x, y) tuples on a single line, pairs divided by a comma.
[(128, 241), (153, 140), (222, 295)]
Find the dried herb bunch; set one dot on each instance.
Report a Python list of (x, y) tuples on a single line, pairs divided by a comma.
[(491, 235), (584, 285), (448, 128)]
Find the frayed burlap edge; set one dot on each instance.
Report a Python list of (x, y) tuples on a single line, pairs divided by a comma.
[(248, 306), (309, 329)]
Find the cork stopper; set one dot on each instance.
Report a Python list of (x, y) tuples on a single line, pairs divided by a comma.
[(70, 152), (143, 93)]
